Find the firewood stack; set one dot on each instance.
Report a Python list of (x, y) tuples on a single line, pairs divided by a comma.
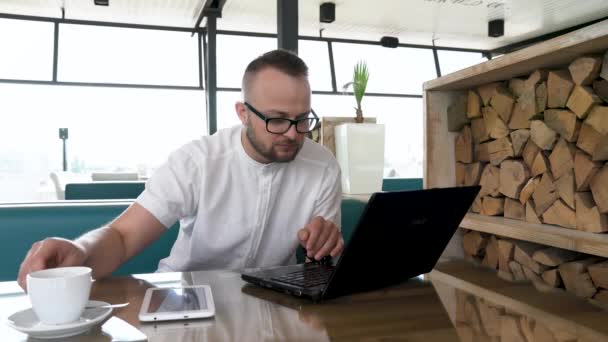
[(547, 268), (538, 146), (478, 319)]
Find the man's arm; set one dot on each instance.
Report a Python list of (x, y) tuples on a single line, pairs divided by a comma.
[(103, 249)]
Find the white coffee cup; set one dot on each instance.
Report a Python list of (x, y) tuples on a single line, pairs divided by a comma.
[(59, 295)]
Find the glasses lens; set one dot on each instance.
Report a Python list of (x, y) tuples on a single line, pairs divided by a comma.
[(307, 125), (278, 125)]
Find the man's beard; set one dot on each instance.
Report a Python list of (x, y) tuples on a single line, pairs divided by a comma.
[(269, 153)]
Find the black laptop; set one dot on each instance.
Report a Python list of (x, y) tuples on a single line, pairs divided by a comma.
[(400, 235)]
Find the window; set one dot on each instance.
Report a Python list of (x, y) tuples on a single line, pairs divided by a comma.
[(316, 55), (234, 54), (27, 50), (128, 56), (110, 129), (451, 61), (226, 114), (397, 71)]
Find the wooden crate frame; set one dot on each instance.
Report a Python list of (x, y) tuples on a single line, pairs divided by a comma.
[(439, 159)]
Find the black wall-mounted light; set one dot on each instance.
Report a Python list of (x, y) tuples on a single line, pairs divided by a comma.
[(327, 12), (102, 2), (390, 42), (496, 28)]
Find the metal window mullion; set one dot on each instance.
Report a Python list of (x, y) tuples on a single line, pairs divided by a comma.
[(332, 68), (55, 50)]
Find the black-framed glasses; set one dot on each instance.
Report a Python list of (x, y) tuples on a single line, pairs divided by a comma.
[(282, 125)]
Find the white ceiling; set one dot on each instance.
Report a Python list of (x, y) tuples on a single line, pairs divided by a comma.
[(456, 23)]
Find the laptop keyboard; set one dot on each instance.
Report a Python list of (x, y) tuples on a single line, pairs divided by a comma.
[(312, 275)]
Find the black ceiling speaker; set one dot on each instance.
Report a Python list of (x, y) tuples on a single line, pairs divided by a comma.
[(496, 28), (391, 42), (327, 12), (102, 2)]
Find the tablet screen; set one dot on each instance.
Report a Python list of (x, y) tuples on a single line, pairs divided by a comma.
[(177, 299)]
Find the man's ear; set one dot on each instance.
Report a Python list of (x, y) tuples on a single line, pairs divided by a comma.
[(241, 111)]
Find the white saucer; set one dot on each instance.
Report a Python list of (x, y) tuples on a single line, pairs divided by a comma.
[(27, 322)]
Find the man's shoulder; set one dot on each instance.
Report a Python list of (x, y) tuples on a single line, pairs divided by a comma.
[(212, 146)]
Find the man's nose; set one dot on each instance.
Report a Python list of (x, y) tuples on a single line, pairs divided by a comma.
[(291, 133)]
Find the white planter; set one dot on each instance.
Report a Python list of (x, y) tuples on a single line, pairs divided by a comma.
[(360, 153)]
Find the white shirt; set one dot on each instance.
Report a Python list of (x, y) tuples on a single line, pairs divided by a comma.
[(235, 212)]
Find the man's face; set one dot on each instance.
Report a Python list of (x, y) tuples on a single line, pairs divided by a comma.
[(275, 95)]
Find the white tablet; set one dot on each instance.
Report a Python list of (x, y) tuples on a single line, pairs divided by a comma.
[(172, 303)]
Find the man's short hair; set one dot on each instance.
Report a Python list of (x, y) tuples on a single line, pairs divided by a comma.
[(283, 60)]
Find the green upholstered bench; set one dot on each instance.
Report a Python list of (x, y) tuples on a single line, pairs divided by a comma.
[(23, 224), (104, 190)]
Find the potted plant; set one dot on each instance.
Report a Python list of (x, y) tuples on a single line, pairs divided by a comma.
[(359, 84), (360, 145)]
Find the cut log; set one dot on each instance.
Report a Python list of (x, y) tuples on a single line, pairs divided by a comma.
[(495, 126), (478, 130), (527, 327), (529, 153), (562, 158), (599, 274), (472, 313), (490, 318), (473, 105), (600, 153), (585, 69), (559, 87), (541, 97), (459, 174), (604, 71), (541, 164), (576, 277), (474, 243), (545, 194), (543, 136), (602, 297), (492, 206), (491, 256), (519, 138), (552, 278), (553, 257), (486, 91), (560, 214), (531, 215), (513, 176), (523, 253), (502, 101), (588, 139), (506, 275), (599, 189), (510, 329), (588, 216), (522, 114), (535, 78), (505, 254), (500, 149), (490, 181), (600, 87), (537, 280), (517, 86), (563, 122), (457, 113), (517, 271), (472, 173), (543, 334), (584, 170), (514, 209), (476, 206), (581, 100), (598, 119), (565, 188), (481, 152), (528, 189), (464, 145)]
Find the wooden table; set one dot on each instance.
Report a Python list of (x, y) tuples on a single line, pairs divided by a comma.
[(456, 302)]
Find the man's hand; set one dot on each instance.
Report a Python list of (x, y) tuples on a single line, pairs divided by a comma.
[(321, 238), (51, 253)]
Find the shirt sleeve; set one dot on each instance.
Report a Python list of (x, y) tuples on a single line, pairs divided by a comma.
[(173, 190), (328, 203)]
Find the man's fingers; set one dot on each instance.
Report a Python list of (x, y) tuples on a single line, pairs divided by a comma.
[(324, 236), (329, 244), (303, 236), (314, 230), (338, 249)]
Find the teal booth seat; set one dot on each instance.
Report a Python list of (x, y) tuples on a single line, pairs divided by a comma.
[(23, 224), (104, 190)]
